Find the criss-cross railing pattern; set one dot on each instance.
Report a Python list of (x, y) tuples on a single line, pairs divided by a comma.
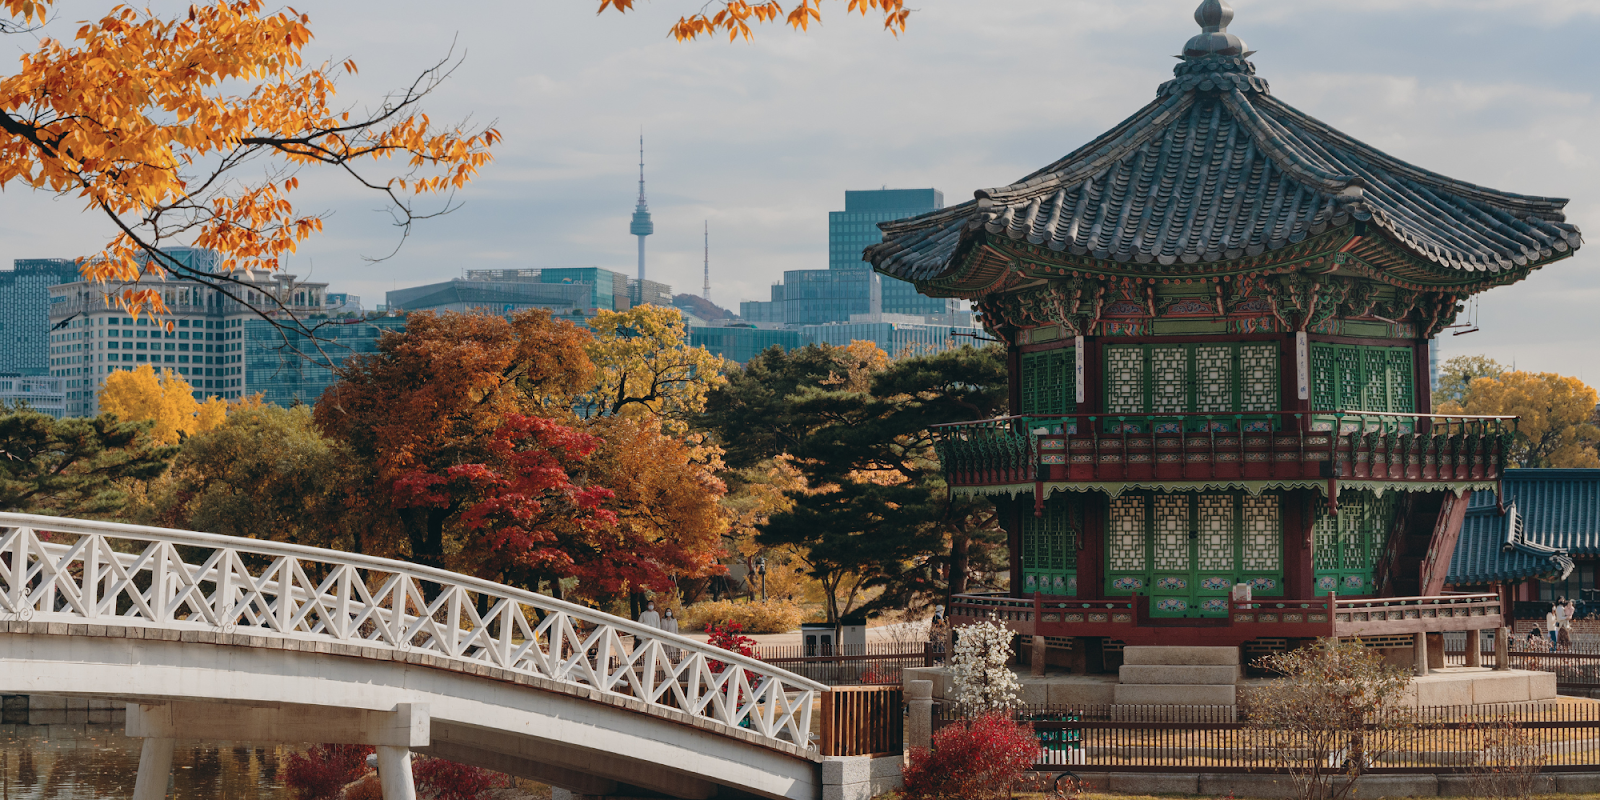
[(76, 571)]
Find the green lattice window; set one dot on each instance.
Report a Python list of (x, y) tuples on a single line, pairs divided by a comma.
[(1345, 548), (1050, 548), (1049, 382), (1219, 378), (1362, 378), (1187, 550)]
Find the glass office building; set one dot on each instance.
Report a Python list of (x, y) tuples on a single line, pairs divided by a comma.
[(856, 228), (25, 312), (287, 368)]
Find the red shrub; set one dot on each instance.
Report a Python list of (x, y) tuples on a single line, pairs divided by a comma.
[(977, 760), (319, 773), (447, 780)]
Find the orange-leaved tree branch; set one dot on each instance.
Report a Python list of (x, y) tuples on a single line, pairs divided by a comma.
[(734, 17), (152, 120)]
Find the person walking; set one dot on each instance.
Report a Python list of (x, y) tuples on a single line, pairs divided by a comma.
[(1552, 623)]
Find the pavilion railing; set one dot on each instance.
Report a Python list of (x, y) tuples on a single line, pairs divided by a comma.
[(1357, 445), (89, 574)]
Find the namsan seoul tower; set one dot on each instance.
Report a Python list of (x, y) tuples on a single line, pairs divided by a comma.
[(642, 226)]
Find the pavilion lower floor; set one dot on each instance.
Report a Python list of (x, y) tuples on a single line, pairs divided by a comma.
[(1161, 567)]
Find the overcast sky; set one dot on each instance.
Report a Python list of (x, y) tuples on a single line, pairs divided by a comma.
[(762, 139)]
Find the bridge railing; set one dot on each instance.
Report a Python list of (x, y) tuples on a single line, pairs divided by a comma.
[(76, 571)]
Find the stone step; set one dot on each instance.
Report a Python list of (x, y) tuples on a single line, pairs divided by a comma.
[(1159, 695), (1181, 656), (1168, 674)]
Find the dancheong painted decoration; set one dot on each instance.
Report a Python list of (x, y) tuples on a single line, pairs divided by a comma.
[(1218, 317)]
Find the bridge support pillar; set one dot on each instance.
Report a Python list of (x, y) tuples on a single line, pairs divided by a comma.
[(394, 773), (155, 769)]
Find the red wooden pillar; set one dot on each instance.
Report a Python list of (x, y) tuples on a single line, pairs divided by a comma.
[(1091, 579), (1299, 514), (1021, 504)]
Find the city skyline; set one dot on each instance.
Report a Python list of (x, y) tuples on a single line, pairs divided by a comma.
[(1489, 92)]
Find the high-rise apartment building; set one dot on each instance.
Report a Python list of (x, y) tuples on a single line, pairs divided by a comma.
[(91, 338), (25, 312)]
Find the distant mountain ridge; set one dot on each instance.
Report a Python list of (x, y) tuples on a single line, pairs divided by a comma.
[(701, 307)]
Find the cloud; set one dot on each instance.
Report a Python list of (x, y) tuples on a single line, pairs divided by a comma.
[(763, 138)]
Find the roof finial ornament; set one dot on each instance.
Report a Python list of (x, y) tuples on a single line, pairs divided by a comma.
[(1213, 17)]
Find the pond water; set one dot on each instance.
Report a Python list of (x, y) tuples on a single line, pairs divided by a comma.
[(103, 766)]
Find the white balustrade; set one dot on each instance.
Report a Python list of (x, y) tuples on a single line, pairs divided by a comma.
[(79, 571)]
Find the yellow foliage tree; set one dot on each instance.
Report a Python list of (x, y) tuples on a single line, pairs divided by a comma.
[(1556, 416), (165, 399), (147, 118), (734, 17), (645, 366)]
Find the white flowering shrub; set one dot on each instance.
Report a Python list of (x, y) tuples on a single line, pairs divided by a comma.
[(983, 681)]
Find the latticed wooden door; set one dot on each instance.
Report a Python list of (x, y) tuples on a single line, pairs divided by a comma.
[(1050, 548), (1049, 382), (1220, 378), (1186, 551), (1361, 378), (1345, 548)]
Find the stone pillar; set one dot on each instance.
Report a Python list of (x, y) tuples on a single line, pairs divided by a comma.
[(1502, 646), (919, 710), (394, 773), (1474, 648), (1419, 645), (1039, 647), (155, 769)]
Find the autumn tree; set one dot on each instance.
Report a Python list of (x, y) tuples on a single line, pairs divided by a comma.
[(735, 17), (166, 399), (152, 121), (433, 397), (1555, 416), (462, 429), (74, 467), (644, 366)]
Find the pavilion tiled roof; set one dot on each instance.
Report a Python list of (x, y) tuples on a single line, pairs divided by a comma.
[(1217, 169)]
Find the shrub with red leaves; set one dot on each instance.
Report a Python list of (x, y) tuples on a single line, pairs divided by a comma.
[(447, 780), (321, 772), (981, 759)]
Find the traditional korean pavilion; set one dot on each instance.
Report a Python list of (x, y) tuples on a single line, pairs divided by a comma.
[(1217, 316)]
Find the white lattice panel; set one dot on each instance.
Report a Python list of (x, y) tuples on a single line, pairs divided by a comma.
[(1127, 535)]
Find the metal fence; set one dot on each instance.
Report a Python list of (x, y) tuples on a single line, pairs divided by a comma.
[(873, 664), (1222, 739), (1577, 667)]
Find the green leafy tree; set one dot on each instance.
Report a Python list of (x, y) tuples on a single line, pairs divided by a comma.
[(265, 473), (1457, 374), (74, 467), (874, 513)]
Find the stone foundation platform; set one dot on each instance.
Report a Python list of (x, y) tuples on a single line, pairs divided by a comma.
[(1451, 686)]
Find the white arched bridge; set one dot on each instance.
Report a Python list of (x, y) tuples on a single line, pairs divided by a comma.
[(218, 637)]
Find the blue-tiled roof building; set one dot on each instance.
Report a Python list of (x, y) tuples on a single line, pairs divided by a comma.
[(1541, 534)]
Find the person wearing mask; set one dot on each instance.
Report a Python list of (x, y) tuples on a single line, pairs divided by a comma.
[(650, 617), (669, 624)]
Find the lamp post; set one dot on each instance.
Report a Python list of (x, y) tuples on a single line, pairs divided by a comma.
[(761, 569)]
